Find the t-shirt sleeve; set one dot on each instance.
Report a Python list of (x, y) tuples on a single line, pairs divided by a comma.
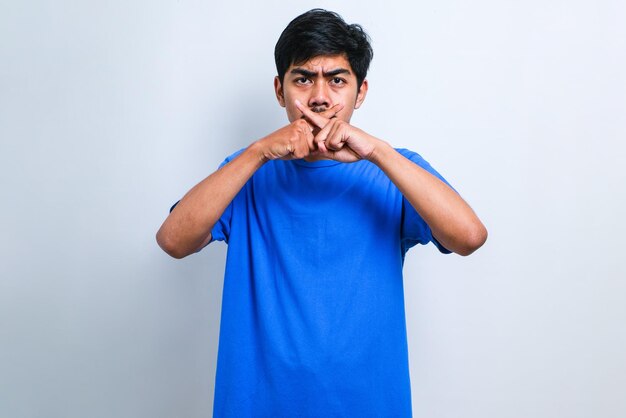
[(414, 229), (221, 229)]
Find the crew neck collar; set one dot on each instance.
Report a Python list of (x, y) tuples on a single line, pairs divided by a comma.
[(316, 164)]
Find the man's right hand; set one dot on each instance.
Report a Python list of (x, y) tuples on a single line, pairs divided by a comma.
[(293, 141)]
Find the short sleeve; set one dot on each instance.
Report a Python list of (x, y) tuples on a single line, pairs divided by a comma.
[(414, 229), (221, 229)]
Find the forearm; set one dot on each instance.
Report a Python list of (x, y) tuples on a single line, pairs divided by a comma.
[(451, 220), (188, 227)]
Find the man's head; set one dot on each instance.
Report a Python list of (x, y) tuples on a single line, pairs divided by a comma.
[(321, 42), (320, 32)]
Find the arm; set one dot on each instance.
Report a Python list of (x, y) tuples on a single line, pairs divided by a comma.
[(452, 221), (188, 227)]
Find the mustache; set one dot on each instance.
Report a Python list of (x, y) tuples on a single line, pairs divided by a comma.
[(319, 109)]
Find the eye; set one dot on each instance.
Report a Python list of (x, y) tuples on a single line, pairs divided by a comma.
[(338, 81), (302, 80)]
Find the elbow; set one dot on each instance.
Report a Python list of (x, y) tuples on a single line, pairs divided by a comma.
[(474, 239), (169, 245)]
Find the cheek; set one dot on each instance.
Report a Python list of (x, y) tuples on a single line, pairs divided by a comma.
[(292, 112), (346, 113), (348, 102), (290, 101)]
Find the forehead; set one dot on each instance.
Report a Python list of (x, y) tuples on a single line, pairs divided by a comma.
[(324, 63)]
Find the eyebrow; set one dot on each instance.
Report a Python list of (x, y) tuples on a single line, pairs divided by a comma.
[(311, 74)]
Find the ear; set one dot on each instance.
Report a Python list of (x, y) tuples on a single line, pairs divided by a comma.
[(278, 89), (361, 94)]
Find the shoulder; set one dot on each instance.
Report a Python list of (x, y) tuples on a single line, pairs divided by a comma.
[(420, 161), (413, 156), (231, 157)]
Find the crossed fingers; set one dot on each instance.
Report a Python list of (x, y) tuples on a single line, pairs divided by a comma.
[(321, 122), (321, 119)]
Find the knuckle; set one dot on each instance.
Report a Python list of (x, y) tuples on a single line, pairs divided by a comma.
[(302, 127)]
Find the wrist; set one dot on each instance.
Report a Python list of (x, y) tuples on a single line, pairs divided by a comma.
[(378, 152), (258, 151)]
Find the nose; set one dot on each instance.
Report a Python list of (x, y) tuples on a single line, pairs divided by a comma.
[(319, 96)]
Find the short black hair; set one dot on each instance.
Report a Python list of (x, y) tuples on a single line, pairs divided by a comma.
[(321, 32)]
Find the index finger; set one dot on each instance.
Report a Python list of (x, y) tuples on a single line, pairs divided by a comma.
[(332, 112), (316, 118)]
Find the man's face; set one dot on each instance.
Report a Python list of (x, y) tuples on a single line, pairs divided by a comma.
[(320, 83)]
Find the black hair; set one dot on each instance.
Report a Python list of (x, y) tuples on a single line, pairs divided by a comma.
[(321, 32)]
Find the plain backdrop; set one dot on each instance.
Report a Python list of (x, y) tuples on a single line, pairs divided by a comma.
[(110, 111)]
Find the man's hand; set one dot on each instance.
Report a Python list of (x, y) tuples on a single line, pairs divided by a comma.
[(337, 139), (295, 140)]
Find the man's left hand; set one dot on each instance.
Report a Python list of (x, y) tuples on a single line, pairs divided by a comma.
[(337, 139)]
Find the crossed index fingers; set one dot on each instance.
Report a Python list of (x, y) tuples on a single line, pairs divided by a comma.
[(319, 119)]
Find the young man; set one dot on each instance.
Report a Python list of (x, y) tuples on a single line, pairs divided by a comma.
[(318, 216)]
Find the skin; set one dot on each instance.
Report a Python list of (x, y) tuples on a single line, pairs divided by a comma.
[(319, 97)]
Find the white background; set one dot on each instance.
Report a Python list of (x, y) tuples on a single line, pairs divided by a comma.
[(110, 111)]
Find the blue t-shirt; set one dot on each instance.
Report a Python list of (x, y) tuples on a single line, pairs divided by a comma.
[(313, 321)]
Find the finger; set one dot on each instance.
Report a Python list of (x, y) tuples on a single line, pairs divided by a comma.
[(287, 153), (306, 136), (302, 150), (332, 112), (321, 146), (310, 140), (346, 155), (321, 137), (315, 118), (306, 144), (314, 145), (335, 140)]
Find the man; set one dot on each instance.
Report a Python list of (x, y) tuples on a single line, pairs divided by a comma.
[(318, 216)]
